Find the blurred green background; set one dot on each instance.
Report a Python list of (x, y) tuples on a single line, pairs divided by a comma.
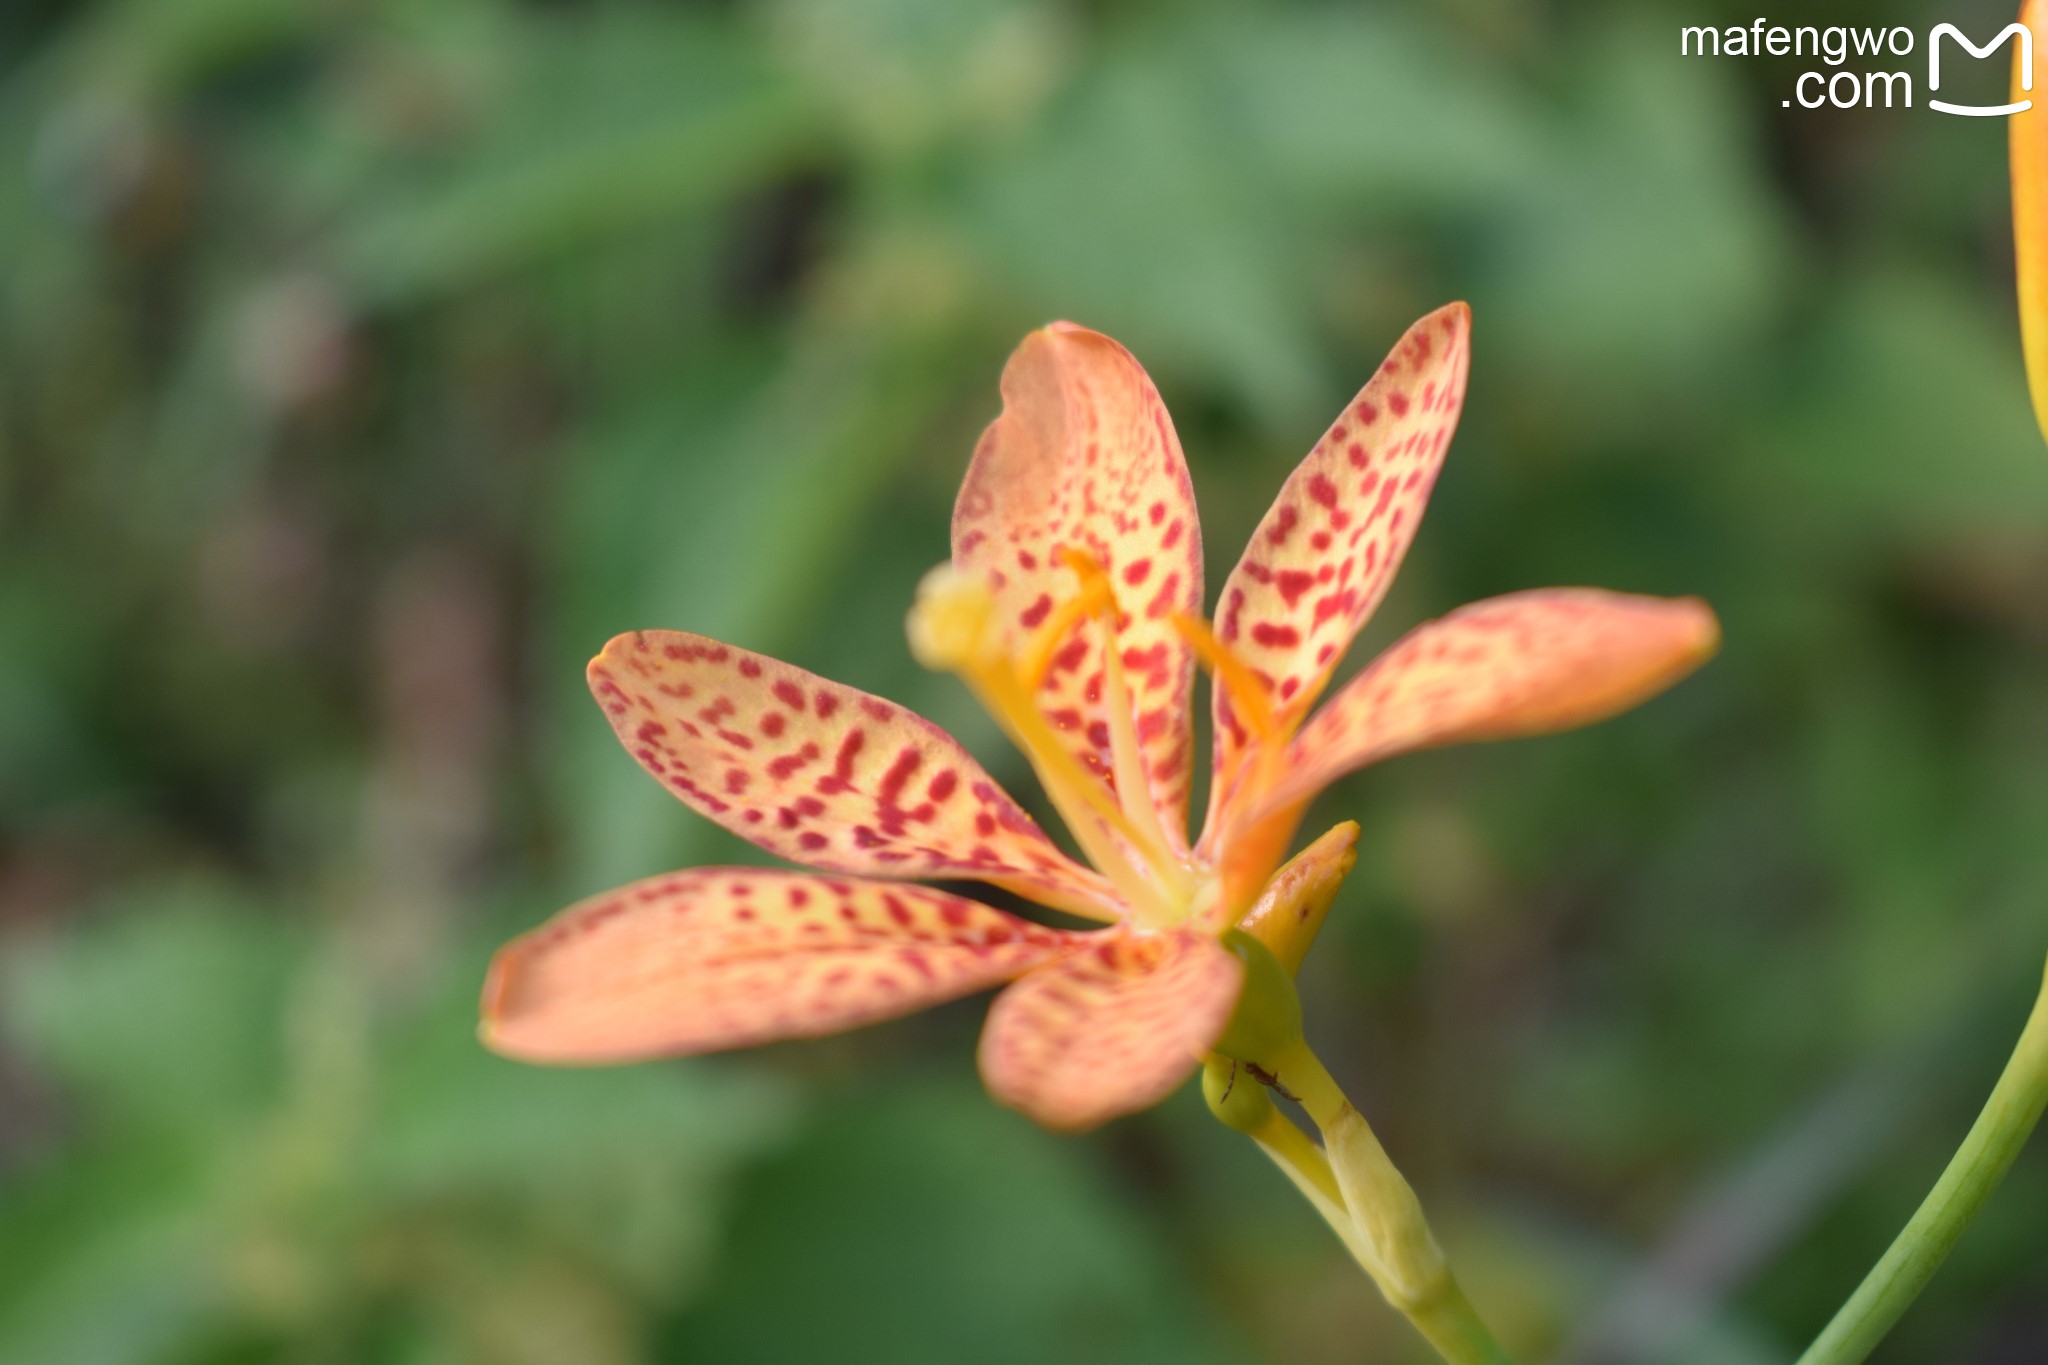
[(365, 364)]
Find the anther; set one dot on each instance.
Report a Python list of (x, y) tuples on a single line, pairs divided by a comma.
[(950, 622)]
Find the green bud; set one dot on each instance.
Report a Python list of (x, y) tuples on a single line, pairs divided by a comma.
[(1267, 1021), (1290, 912), (1235, 1098)]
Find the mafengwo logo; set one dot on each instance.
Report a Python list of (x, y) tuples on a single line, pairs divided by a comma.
[(1851, 53)]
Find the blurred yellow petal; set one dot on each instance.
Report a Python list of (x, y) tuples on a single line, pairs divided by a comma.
[(725, 957), (1111, 1030), (2028, 132)]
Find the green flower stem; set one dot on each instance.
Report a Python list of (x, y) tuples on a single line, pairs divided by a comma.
[(1982, 1161), (1390, 1238)]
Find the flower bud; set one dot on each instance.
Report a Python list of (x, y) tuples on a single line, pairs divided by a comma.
[(1236, 1098), (1267, 1022), (1289, 914)]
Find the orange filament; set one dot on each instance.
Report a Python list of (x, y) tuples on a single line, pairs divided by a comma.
[(1096, 593), (1121, 834), (1246, 690)]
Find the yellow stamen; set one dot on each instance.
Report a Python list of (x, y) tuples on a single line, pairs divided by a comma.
[(1247, 691), (1245, 855), (1094, 595), (951, 629), (950, 623)]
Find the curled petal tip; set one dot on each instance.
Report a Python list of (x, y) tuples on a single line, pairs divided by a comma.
[(1083, 456), (1706, 626), (1692, 631), (1060, 333), (495, 1009)]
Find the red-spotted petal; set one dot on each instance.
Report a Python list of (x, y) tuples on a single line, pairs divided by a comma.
[(1111, 1030), (824, 774), (1328, 549), (726, 957), (1526, 664), (1085, 458)]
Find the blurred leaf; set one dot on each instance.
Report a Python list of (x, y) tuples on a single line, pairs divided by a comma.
[(626, 1164), (428, 1170), (1910, 424), (1372, 112), (1136, 208), (100, 1257), (599, 126), (146, 49), (167, 1015), (1019, 1256), (1649, 247), (911, 78)]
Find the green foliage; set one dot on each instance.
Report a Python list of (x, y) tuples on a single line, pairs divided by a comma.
[(1051, 1256), (363, 367), (255, 1152)]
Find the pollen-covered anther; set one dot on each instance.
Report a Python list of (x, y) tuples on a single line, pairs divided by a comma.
[(952, 622)]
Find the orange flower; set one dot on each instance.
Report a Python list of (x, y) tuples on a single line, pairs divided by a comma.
[(1071, 607)]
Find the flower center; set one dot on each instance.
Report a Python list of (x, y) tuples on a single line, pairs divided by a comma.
[(953, 628)]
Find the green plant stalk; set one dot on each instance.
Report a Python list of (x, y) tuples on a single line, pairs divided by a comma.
[(1349, 1180), (1391, 1238), (1987, 1153)]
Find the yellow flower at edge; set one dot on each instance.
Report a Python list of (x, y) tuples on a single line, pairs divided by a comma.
[(1072, 606), (2028, 134)]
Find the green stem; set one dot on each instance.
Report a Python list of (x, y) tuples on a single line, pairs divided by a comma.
[(1392, 1238), (1982, 1161)]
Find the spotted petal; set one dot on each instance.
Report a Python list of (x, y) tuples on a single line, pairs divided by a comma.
[(1085, 458), (1111, 1030), (1529, 663), (1327, 550), (824, 774), (726, 957)]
